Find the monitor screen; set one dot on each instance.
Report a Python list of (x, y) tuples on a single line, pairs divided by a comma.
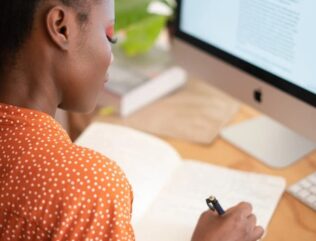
[(274, 40)]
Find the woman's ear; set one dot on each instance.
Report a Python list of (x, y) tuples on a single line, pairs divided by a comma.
[(58, 24)]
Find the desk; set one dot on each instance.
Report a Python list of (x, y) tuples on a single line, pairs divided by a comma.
[(292, 220)]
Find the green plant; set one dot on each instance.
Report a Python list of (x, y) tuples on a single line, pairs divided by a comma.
[(139, 26)]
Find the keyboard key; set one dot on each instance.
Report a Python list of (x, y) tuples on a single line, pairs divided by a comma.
[(305, 184), (295, 188), (313, 189), (303, 193), (305, 190), (312, 178), (311, 199)]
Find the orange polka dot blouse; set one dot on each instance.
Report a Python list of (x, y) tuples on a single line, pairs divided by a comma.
[(52, 189)]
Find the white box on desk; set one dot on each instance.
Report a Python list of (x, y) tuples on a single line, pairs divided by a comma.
[(138, 81)]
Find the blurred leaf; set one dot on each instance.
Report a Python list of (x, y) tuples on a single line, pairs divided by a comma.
[(141, 36), (141, 27), (129, 12)]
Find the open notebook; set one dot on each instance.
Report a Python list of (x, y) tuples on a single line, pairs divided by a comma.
[(170, 193)]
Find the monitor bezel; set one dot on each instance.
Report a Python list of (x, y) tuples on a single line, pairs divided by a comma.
[(261, 74)]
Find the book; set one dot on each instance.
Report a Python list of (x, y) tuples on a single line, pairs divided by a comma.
[(138, 81), (170, 193)]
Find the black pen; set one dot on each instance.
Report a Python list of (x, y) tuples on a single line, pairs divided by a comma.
[(213, 204)]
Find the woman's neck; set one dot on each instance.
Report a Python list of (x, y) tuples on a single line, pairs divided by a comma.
[(29, 89)]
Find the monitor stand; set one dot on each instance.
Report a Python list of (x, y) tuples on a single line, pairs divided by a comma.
[(267, 140)]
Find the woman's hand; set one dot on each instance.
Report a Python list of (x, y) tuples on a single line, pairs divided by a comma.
[(237, 224)]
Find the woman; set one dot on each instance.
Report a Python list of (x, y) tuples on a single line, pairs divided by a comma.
[(55, 53)]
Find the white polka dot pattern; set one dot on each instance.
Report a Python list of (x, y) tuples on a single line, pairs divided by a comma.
[(51, 189)]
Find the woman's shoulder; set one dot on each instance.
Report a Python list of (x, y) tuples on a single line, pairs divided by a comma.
[(82, 171), (87, 162)]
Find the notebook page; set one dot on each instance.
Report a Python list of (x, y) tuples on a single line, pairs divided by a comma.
[(147, 161), (175, 212)]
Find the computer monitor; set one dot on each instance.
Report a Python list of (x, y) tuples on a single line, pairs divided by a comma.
[(262, 52)]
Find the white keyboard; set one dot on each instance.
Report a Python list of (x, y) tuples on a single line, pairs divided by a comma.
[(305, 190)]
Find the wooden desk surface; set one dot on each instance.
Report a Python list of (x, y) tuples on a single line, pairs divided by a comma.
[(292, 220)]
